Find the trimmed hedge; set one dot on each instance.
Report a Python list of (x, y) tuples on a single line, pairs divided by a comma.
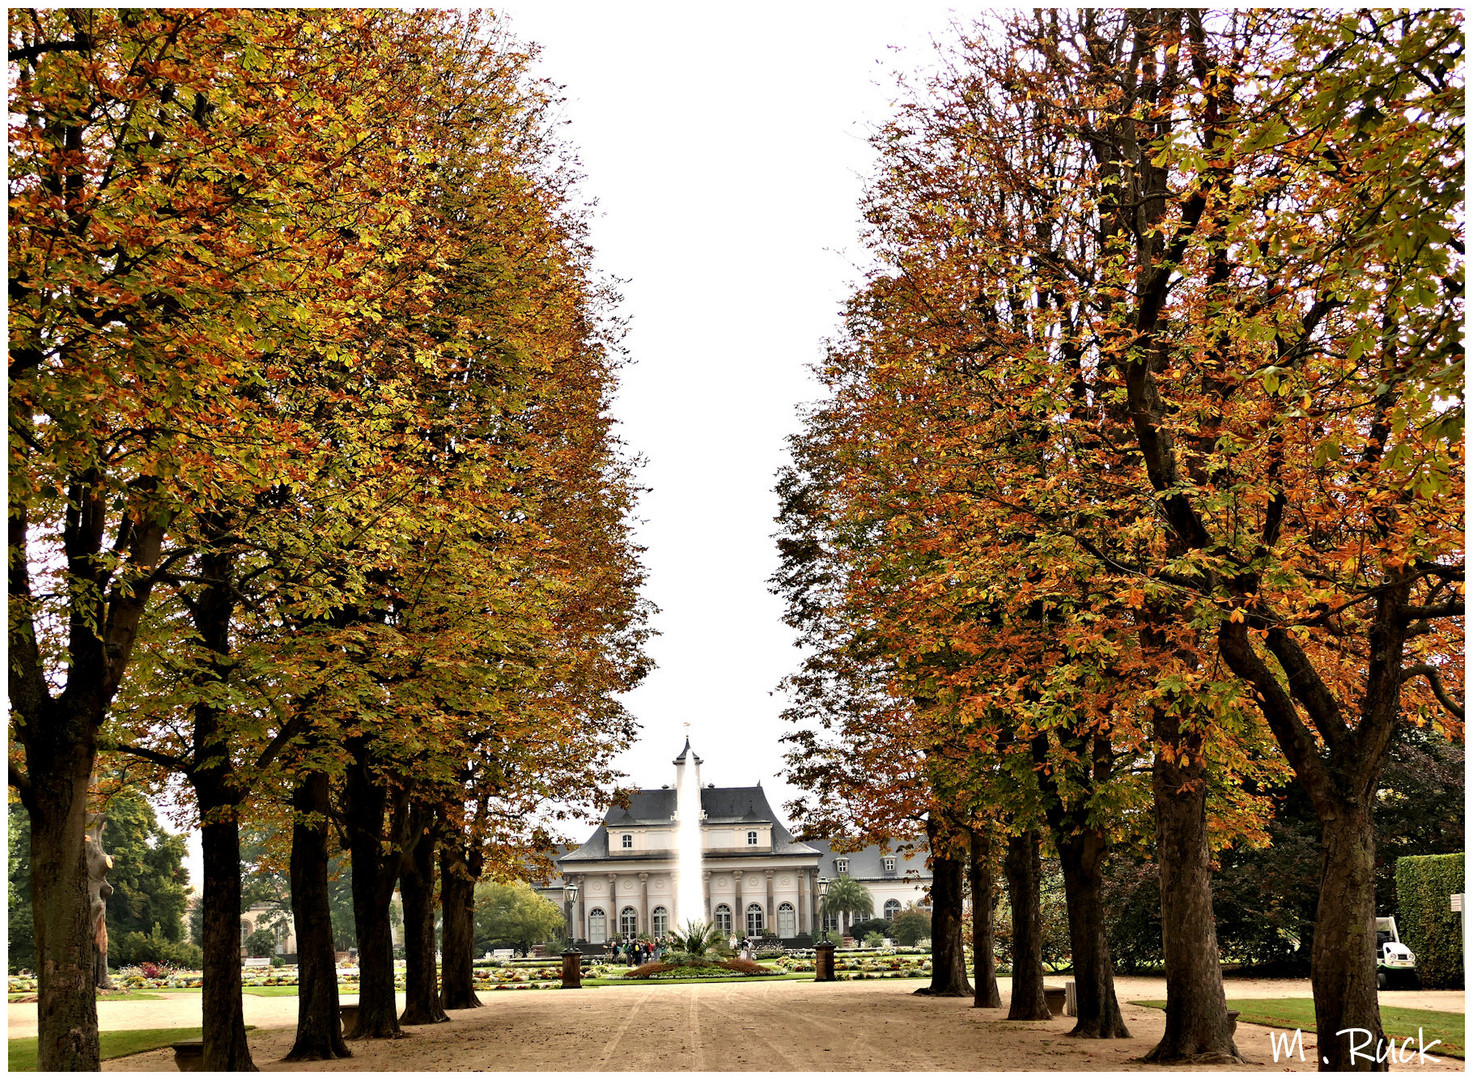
[(1434, 933)]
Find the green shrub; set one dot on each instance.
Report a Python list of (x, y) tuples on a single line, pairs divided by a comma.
[(261, 943), (861, 929), (1424, 884), (133, 948), (911, 925)]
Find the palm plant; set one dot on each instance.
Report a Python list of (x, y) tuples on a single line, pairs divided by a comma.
[(847, 895), (696, 941)]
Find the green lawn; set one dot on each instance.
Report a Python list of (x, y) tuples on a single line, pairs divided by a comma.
[(1397, 1021), (258, 991), (114, 1044)]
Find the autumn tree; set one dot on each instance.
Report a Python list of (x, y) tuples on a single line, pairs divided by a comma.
[(154, 265), (1204, 375), (325, 266)]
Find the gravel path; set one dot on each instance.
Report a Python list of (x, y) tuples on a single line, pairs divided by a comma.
[(771, 1026)]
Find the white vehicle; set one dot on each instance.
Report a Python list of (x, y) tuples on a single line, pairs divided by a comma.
[(1394, 961)]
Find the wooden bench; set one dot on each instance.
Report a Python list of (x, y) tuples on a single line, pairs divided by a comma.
[(189, 1055)]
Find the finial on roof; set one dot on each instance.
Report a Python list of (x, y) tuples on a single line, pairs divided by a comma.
[(687, 752)]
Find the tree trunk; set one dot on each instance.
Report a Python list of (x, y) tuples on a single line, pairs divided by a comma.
[(319, 1018), (1197, 1027), (66, 1009), (948, 957), (1341, 784), (373, 888), (457, 951), (218, 793), (1025, 874), (225, 1048), (984, 965), (421, 983), (1344, 958), (1082, 860)]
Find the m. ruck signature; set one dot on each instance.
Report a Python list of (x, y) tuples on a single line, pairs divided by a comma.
[(1282, 1042)]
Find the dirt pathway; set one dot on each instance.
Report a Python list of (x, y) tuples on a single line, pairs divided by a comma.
[(774, 1026)]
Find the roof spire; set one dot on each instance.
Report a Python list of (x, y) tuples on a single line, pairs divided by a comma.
[(687, 752)]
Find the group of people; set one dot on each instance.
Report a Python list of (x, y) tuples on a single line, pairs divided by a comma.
[(638, 951)]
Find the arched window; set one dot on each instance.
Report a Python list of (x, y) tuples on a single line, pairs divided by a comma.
[(751, 836), (626, 841), (597, 926), (755, 922), (892, 908), (723, 919), (786, 921), (245, 930), (660, 921), (628, 922), (829, 921)]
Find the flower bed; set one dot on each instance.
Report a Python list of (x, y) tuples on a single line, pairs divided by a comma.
[(709, 969)]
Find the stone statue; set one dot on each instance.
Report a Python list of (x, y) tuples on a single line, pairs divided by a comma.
[(98, 864)]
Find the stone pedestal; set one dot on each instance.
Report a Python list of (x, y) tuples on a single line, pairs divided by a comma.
[(189, 1055), (572, 970), (823, 962)]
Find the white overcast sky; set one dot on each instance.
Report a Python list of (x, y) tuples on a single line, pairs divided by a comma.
[(726, 146)]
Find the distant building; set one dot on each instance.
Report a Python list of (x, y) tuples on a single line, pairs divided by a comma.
[(756, 876)]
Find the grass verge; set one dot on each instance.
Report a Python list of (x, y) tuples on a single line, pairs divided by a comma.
[(114, 1044), (258, 991), (104, 995), (1398, 1021)]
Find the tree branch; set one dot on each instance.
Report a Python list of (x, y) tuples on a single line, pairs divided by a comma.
[(1434, 678)]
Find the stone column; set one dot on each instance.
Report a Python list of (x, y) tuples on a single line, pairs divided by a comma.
[(644, 904), (813, 899), (706, 887), (804, 925), (582, 907), (738, 912), (611, 920), (769, 917)]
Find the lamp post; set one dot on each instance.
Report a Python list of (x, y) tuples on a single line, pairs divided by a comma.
[(572, 958), (570, 897), (823, 951)]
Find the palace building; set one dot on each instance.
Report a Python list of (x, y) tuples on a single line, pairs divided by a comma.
[(755, 875)]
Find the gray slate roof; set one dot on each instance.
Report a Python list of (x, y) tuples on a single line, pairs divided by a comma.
[(866, 865), (722, 806)]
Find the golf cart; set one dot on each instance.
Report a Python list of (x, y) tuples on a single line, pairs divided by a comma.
[(1395, 964)]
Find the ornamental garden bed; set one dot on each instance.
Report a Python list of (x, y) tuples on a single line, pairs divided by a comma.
[(704, 969)]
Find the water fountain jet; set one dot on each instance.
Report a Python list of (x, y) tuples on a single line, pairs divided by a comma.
[(690, 903)]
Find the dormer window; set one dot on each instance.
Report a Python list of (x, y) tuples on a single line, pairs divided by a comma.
[(841, 866), (890, 864), (751, 837), (626, 841)]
